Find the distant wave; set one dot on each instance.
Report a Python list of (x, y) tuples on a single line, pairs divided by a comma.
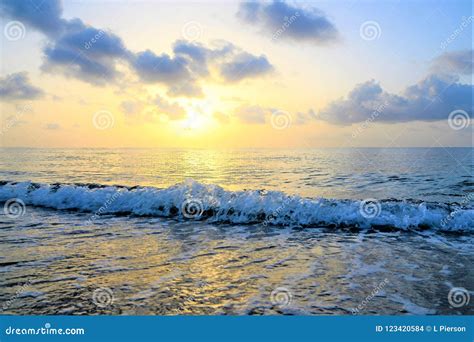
[(191, 200)]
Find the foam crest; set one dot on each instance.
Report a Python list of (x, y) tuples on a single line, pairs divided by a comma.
[(191, 200)]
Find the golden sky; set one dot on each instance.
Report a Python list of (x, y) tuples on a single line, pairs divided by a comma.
[(226, 75)]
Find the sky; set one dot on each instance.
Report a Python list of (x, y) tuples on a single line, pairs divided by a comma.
[(228, 74)]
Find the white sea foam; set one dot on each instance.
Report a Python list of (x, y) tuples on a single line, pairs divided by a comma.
[(213, 203)]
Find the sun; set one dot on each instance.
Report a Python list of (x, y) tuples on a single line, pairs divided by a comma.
[(195, 121), (199, 116)]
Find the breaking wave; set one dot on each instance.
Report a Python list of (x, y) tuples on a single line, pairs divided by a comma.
[(191, 200)]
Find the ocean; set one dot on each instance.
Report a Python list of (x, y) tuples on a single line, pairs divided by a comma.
[(236, 232)]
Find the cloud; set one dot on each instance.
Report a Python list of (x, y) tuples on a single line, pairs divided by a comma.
[(431, 99), (43, 15), (172, 110), (151, 109), (193, 62), (258, 115), (153, 68), (17, 87), (74, 48), (289, 22), (457, 62), (67, 62), (188, 89), (197, 55), (301, 118), (245, 65), (85, 52), (171, 71), (131, 107), (53, 126), (221, 117), (251, 114), (200, 57), (233, 63), (95, 42), (90, 54)]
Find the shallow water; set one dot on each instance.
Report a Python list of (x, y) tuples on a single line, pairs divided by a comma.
[(156, 266)]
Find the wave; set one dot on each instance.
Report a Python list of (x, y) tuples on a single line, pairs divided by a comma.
[(191, 200)]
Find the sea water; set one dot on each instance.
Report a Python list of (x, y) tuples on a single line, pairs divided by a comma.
[(150, 231)]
